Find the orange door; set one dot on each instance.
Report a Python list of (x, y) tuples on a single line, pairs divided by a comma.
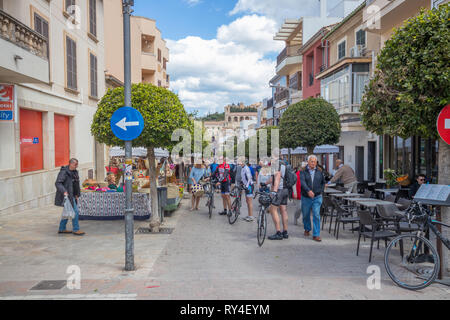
[(31, 144), (62, 140)]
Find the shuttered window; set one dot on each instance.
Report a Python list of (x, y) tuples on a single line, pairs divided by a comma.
[(93, 74), (41, 27), (68, 4), (71, 60), (93, 17)]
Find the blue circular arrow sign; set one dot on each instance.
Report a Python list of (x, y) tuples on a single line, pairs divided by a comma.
[(127, 123)]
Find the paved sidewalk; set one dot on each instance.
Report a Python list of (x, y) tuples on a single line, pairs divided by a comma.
[(201, 259)]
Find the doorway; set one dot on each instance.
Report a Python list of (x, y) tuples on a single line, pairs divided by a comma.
[(359, 163)]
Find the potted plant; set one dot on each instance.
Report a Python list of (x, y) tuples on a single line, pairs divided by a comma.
[(391, 178)]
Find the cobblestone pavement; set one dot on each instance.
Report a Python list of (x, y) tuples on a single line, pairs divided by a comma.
[(202, 259)]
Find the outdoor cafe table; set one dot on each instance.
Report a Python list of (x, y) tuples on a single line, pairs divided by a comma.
[(331, 190), (373, 204), (342, 195)]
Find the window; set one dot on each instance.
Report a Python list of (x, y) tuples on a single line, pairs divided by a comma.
[(68, 3), (71, 63), (62, 140), (164, 63), (93, 17), (31, 147), (159, 55), (41, 27), (93, 75), (361, 38), (159, 83), (341, 50)]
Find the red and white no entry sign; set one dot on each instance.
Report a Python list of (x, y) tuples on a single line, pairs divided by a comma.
[(443, 124)]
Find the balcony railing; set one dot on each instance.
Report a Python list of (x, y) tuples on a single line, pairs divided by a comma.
[(15, 31), (291, 51), (295, 82), (281, 95)]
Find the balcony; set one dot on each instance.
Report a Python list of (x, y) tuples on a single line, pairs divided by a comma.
[(288, 60), (24, 53), (350, 117), (148, 61), (281, 95)]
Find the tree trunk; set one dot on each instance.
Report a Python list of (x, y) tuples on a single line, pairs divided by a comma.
[(154, 219), (310, 150), (444, 178)]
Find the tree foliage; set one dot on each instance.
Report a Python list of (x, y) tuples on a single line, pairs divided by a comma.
[(309, 123), (412, 81), (161, 109)]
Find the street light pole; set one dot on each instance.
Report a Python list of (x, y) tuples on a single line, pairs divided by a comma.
[(129, 211)]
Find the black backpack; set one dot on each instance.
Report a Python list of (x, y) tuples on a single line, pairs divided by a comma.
[(290, 178)]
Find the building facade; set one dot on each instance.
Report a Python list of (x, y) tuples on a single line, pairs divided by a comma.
[(52, 55), (149, 52), (287, 84)]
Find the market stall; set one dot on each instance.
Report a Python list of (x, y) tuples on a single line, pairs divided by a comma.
[(105, 200)]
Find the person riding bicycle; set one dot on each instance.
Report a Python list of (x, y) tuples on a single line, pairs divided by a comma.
[(248, 183), (222, 174)]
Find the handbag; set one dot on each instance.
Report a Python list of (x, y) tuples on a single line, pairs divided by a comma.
[(197, 190), (68, 211)]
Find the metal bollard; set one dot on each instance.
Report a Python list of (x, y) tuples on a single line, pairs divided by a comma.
[(162, 202)]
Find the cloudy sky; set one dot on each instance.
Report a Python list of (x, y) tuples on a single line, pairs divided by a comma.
[(222, 51)]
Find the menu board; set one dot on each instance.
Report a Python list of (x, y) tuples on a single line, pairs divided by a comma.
[(434, 194)]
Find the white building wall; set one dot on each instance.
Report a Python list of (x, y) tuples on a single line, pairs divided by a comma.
[(20, 191)]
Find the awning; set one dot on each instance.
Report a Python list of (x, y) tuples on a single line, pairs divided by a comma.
[(317, 150), (287, 29), (137, 152)]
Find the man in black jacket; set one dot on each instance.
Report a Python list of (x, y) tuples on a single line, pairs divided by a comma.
[(68, 185), (313, 183)]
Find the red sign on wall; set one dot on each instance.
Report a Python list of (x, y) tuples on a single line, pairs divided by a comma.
[(443, 124), (7, 102)]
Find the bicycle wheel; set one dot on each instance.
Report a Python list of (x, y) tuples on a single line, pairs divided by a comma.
[(210, 204), (411, 261), (235, 208), (262, 227)]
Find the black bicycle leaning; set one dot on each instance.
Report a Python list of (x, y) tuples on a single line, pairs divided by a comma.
[(209, 186), (235, 211), (411, 260), (265, 201)]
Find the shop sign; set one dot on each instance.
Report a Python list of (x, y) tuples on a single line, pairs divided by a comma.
[(7, 103)]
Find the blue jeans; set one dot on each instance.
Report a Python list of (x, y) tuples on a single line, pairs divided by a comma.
[(307, 205), (75, 226)]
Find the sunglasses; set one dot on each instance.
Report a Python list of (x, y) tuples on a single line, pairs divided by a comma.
[(421, 179)]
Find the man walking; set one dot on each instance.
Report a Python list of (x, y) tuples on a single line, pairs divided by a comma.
[(68, 185), (280, 198), (312, 186), (346, 175)]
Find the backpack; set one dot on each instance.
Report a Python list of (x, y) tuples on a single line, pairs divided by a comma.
[(252, 170), (290, 178)]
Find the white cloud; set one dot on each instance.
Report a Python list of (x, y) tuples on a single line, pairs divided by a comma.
[(209, 74), (193, 2), (280, 10)]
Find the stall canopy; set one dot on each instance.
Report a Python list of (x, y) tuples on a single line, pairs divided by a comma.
[(137, 152), (318, 150)]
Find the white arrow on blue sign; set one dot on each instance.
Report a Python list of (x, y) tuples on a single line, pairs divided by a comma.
[(127, 123)]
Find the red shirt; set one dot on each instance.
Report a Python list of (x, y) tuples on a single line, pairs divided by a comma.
[(223, 172)]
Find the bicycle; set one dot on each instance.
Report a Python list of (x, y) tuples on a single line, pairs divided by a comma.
[(209, 187), (265, 200), (236, 205), (415, 265)]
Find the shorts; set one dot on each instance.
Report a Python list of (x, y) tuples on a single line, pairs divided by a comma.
[(225, 187), (281, 198), (249, 191)]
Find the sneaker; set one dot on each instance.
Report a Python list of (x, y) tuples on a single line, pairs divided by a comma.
[(79, 233), (285, 235), (64, 231), (276, 236), (223, 213), (249, 219)]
